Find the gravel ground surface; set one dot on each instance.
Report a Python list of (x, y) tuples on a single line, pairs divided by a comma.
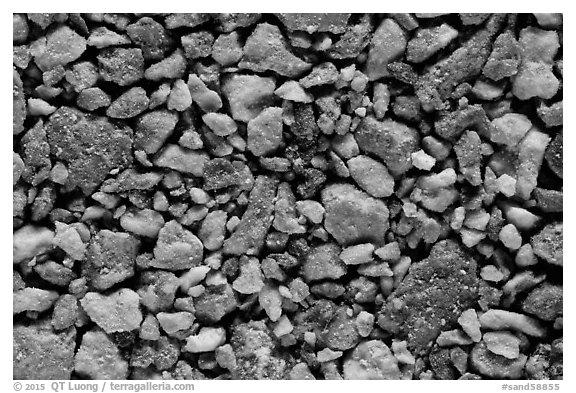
[(287, 196)]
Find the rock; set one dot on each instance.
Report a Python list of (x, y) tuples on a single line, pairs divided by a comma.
[(207, 340), (371, 360), (19, 28), (322, 74), (266, 49), (30, 241), (502, 320), (531, 152), (229, 22), (18, 103), (422, 161), (182, 160), (371, 176), (172, 67), (352, 216), (179, 98), (510, 237), (39, 107), (270, 300), (221, 124), (502, 343), (358, 254), (227, 49), (99, 358), (36, 155), (555, 154), (353, 41), (174, 21), (264, 132), (327, 355), (213, 230), (465, 63), (59, 47), (221, 173), (145, 222), (55, 273), (293, 91), (545, 302), (551, 115), (469, 157), (93, 98), (110, 259), (390, 141), (323, 262), (157, 290), (504, 59), (32, 299), (257, 356), (250, 279), (68, 130), (248, 95), (495, 366), (130, 104), (450, 338), (150, 36), (176, 248), (340, 334), (174, 322), (225, 356), (68, 239), (65, 312), (312, 210), (387, 44), (548, 244), (40, 352), (510, 129), (311, 23), (470, 324), (116, 312), (197, 44), (250, 233), (427, 42), (285, 219), (214, 303), (102, 37), (408, 312)]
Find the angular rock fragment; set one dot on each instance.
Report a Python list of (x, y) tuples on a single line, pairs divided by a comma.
[(129, 104), (265, 132), (176, 248), (60, 47), (548, 243), (182, 160), (495, 366), (311, 23), (387, 44), (99, 358), (428, 41), (150, 36), (117, 312), (248, 95), (32, 299), (323, 262), (371, 360)]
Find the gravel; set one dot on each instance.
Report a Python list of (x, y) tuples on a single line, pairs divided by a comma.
[(300, 196)]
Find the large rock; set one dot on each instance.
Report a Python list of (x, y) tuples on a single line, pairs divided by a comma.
[(352, 216), (41, 353), (389, 140), (432, 296)]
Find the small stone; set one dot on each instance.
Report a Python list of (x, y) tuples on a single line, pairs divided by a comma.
[(59, 47), (93, 98), (214, 303), (353, 216), (270, 300), (101, 37), (41, 352), (401, 352), (545, 302), (555, 154), (322, 74), (327, 355), (510, 129), (323, 262), (208, 100), (423, 161), (30, 241), (68, 239), (55, 273), (144, 222), (65, 312), (450, 338), (364, 323), (491, 273), (469, 157), (387, 44), (39, 107), (207, 340), (311, 23), (429, 41), (123, 66), (248, 95), (503, 320), (197, 44), (495, 366), (150, 328), (179, 98), (182, 160), (266, 49), (99, 358), (504, 59), (32, 299), (213, 230), (371, 176), (312, 210), (548, 243), (506, 185), (117, 312), (358, 254), (130, 104), (510, 237), (470, 324), (265, 132), (150, 36), (221, 124), (371, 360), (176, 248), (293, 91), (172, 67), (250, 279), (174, 322), (502, 343), (227, 49)]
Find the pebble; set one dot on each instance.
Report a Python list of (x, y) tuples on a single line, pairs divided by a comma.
[(427, 42), (502, 320), (116, 312), (65, 312), (401, 352), (387, 44), (271, 301), (322, 74), (548, 243), (174, 322), (372, 176), (179, 98), (323, 262), (293, 91), (364, 323), (150, 328), (220, 123), (510, 237), (352, 215), (30, 241), (214, 303), (207, 340), (60, 47), (470, 324), (450, 338), (371, 360), (176, 248), (495, 366), (545, 302), (266, 49), (213, 230), (510, 129), (502, 343), (130, 104), (312, 210), (172, 67), (102, 37), (227, 49), (250, 279), (248, 95), (327, 355), (491, 273), (358, 254), (264, 132), (99, 358), (93, 98), (181, 159), (32, 299)]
